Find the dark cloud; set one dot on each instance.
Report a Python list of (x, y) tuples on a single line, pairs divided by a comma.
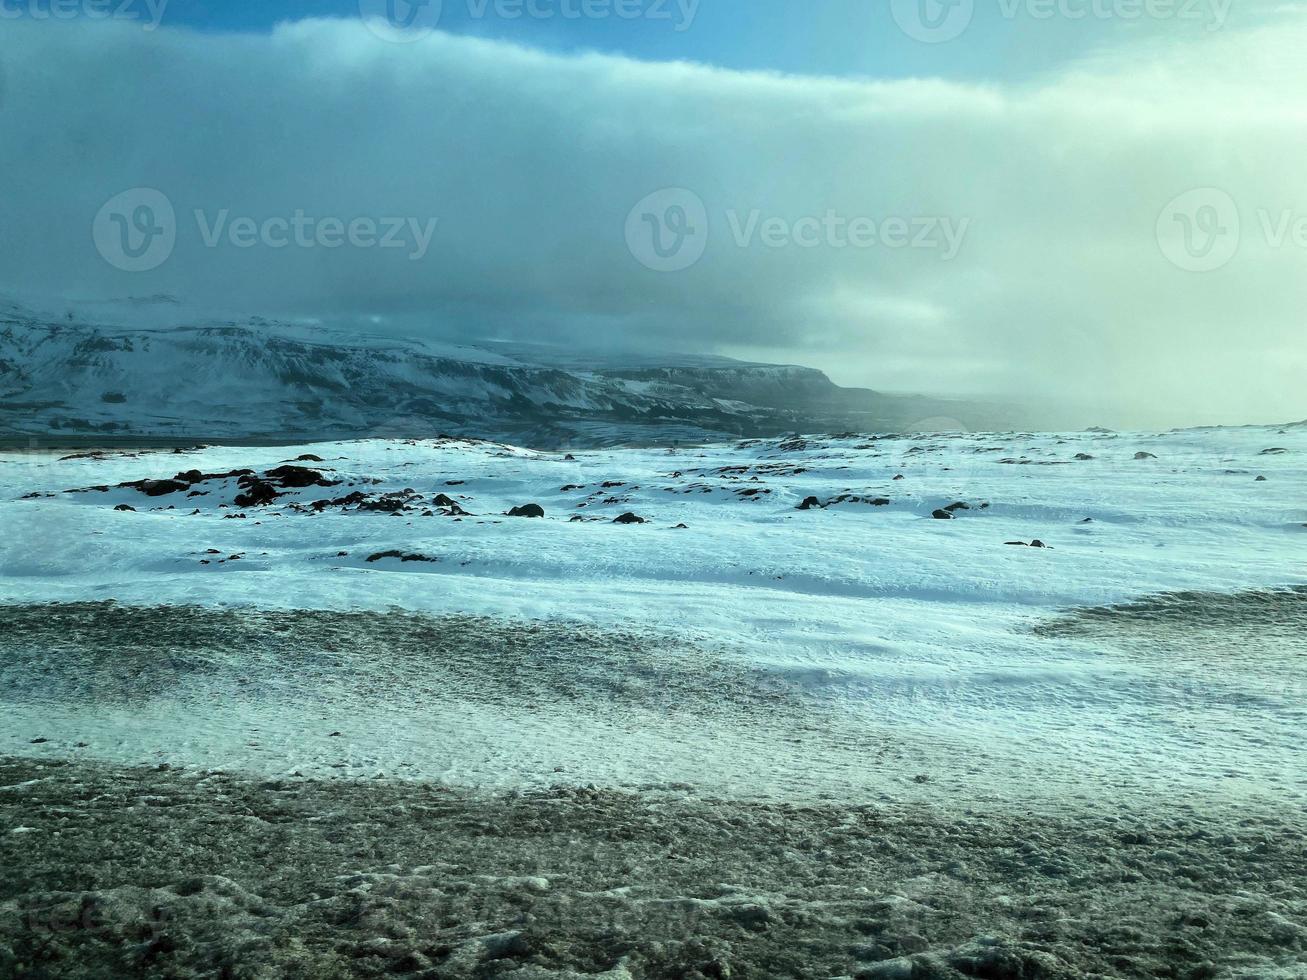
[(911, 235)]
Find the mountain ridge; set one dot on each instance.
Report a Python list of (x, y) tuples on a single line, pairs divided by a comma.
[(269, 380)]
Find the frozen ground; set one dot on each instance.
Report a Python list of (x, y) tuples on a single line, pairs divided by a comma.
[(195, 874), (852, 651), (1081, 758)]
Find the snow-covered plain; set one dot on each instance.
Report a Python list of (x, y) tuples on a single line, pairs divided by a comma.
[(851, 651)]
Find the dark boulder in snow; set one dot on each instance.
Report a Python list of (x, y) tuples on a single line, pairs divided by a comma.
[(809, 503), (157, 488), (297, 476), (396, 502), (258, 493), (401, 555), (1143, 455), (942, 515), (629, 519), (126, 507), (527, 510)]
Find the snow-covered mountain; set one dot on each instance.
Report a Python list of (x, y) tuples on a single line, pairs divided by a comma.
[(72, 375)]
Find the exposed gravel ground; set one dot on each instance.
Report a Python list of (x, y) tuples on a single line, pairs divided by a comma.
[(165, 873)]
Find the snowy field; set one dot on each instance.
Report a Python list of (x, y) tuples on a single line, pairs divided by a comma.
[(804, 707), (860, 650)]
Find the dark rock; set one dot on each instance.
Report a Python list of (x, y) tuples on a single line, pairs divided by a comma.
[(158, 488), (1083, 456), (401, 555), (681, 527), (357, 497), (809, 503), (297, 476), (900, 476), (1142, 455), (126, 507), (389, 503), (1037, 544), (629, 519), (259, 494), (942, 515), (444, 500), (527, 510), (308, 458), (960, 505), (1260, 479)]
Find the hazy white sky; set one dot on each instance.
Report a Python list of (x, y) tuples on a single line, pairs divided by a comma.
[(1035, 237)]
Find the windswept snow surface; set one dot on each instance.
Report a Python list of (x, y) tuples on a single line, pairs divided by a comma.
[(855, 650)]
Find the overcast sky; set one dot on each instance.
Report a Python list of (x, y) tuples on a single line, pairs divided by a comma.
[(1104, 212)]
